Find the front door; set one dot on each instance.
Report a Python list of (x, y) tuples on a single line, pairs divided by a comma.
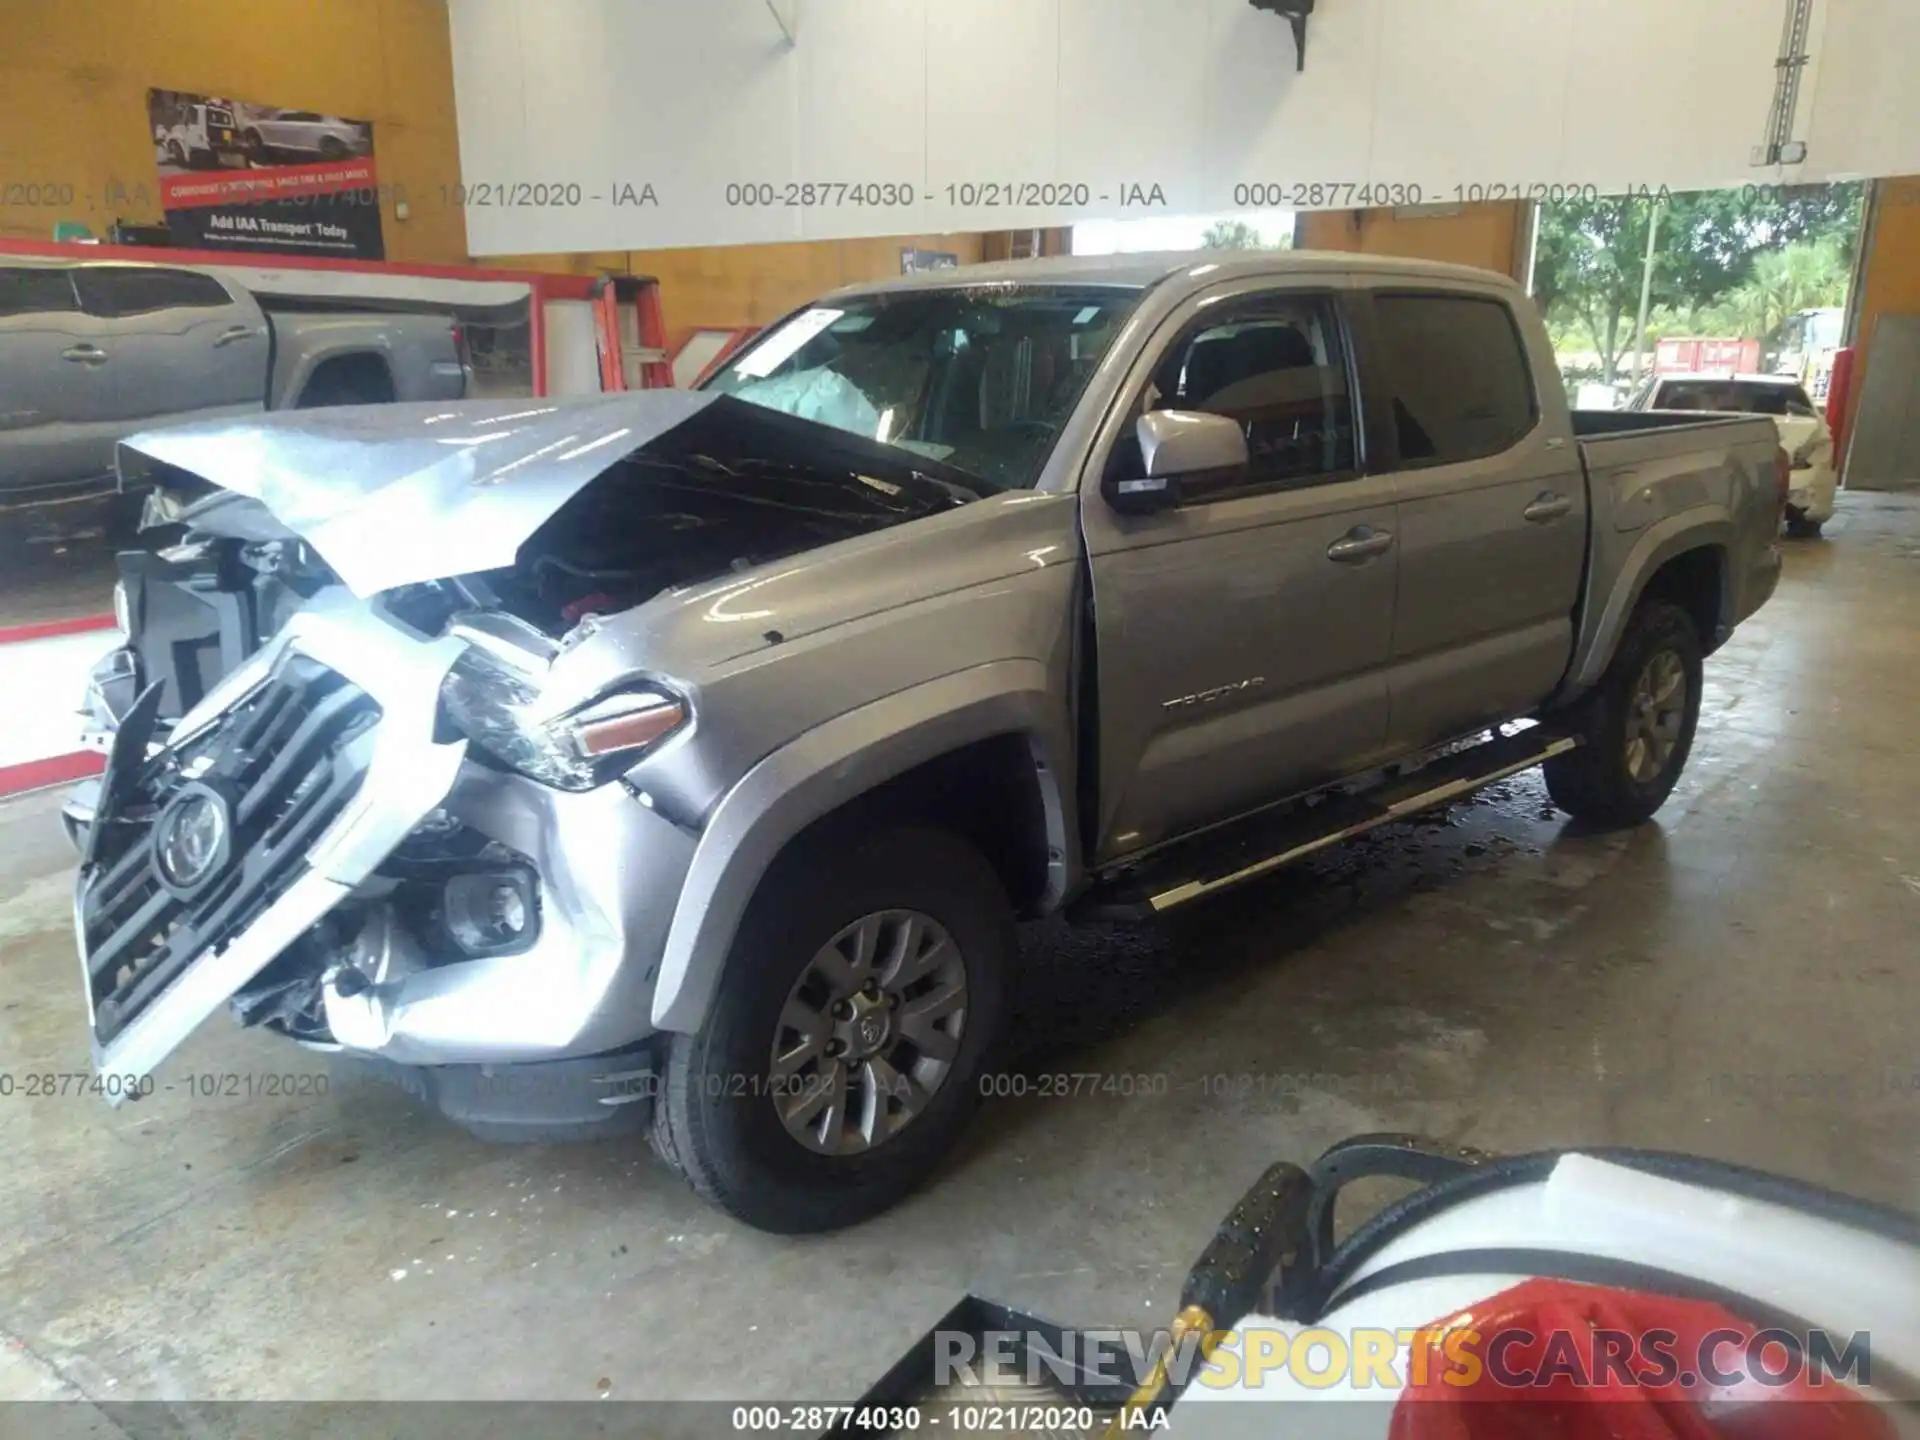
[(56, 383), (1242, 637), (183, 347)]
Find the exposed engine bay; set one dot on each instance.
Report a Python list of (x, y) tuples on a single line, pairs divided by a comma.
[(733, 487)]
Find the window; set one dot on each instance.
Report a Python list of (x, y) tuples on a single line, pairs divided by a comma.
[(980, 377), (117, 290), (1741, 397), (1457, 371), (1275, 365), (35, 290)]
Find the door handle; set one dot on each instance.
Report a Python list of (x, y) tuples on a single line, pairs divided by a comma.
[(1363, 542), (84, 355), (238, 332), (1548, 506)]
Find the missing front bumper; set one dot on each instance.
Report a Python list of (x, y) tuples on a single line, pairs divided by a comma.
[(609, 872), (593, 1098), (311, 812)]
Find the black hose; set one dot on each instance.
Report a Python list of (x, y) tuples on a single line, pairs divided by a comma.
[(1504, 1173)]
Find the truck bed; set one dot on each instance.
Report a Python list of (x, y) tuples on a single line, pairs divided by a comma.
[(1652, 476), (1588, 424)]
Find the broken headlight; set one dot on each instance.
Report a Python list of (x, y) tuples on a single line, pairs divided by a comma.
[(498, 706)]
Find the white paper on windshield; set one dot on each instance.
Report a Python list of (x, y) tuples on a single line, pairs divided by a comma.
[(780, 348)]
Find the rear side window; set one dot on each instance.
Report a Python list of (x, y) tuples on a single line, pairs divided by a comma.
[(30, 290), (118, 290), (1457, 370)]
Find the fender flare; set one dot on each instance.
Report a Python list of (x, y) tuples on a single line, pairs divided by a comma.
[(1661, 542), (308, 356), (823, 769)]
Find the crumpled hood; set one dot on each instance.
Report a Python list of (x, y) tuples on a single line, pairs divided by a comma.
[(397, 494)]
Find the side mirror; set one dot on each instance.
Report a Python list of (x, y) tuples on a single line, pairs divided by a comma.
[(1175, 444)]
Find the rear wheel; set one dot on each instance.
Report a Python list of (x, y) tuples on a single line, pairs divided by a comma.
[(1638, 723), (842, 1055)]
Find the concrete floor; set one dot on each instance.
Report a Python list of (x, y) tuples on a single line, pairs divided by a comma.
[(1736, 979)]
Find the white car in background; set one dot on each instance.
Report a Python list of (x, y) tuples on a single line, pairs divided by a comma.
[(303, 133), (1803, 431)]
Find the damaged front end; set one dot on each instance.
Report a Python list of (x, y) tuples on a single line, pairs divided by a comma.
[(404, 827)]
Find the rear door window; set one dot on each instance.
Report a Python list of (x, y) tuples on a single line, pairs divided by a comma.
[(122, 290), (1456, 371), (36, 290)]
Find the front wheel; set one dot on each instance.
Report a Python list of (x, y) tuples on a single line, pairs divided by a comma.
[(843, 1054), (1638, 723)]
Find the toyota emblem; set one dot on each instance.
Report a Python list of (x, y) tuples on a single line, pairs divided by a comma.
[(192, 839)]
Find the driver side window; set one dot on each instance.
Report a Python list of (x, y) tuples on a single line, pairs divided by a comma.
[(1276, 366)]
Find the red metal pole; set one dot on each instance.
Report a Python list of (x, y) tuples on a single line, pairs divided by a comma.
[(537, 335), (1839, 392)]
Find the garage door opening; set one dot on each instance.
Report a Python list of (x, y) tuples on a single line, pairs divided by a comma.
[(1754, 280)]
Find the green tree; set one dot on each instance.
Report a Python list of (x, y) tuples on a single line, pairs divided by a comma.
[(1805, 275), (1234, 235), (1708, 262), (1587, 273)]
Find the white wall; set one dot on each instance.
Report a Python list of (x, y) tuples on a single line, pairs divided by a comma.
[(1196, 96)]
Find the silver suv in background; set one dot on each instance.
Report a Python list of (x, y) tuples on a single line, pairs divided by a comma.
[(92, 351), (682, 761)]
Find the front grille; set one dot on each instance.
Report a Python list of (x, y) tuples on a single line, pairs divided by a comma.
[(284, 764)]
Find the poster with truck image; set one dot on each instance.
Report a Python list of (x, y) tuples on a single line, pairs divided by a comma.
[(238, 175)]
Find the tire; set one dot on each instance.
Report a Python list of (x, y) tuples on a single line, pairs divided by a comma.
[(1606, 781), (1800, 527), (177, 155), (716, 1119)]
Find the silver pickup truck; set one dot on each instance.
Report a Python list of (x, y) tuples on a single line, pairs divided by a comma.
[(92, 351), (685, 759)]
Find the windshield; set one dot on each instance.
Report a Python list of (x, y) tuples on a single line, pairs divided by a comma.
[(980, 377), (1735, 396)]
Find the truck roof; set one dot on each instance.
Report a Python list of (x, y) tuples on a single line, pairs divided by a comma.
[(1142, 271)]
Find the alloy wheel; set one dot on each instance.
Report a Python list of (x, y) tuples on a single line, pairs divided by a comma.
[(1656, 715), (869, 1032)]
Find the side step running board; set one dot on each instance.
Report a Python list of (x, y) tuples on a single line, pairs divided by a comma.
[(1247, 849)]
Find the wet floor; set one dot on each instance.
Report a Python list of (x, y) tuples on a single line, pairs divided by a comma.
[(1736, 979)]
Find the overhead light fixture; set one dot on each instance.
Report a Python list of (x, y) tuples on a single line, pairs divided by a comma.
[(1296, 13)]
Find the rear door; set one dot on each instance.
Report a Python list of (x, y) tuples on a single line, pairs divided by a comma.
[(1492, 510), (1242, 637), (56, 382), (183, 345)]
